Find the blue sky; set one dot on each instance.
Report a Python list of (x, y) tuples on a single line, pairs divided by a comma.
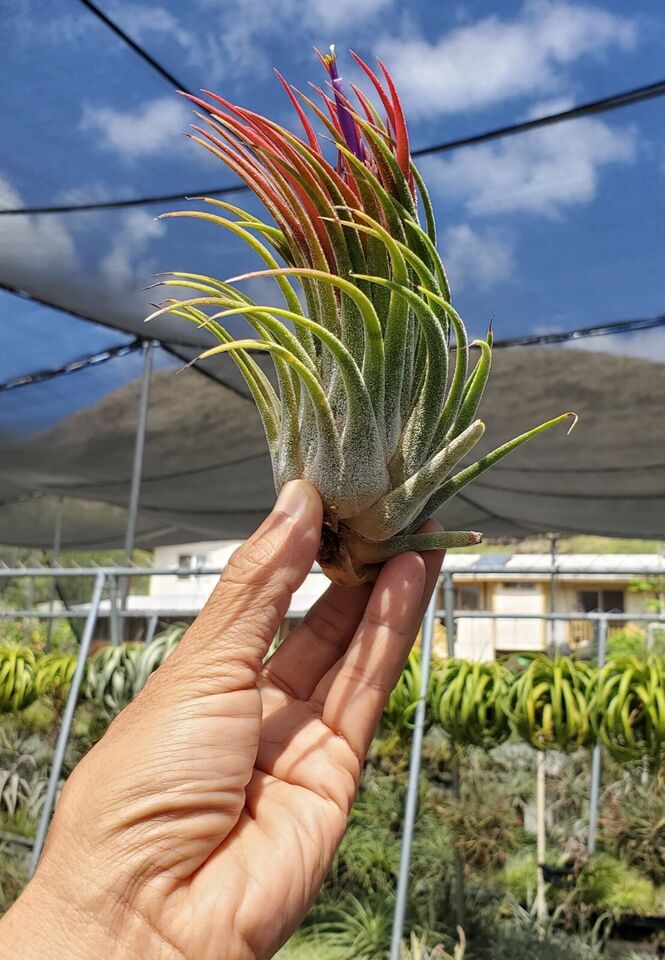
[(555, 229)]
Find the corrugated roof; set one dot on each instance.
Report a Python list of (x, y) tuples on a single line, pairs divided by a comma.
[(592, 563)]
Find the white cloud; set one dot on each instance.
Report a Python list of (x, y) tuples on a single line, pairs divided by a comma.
[(155, 126), (140, 20), (644, 344), (542, 171), (494, 59), (95, 192), (122, 267), (483, 258), (325, 15), (32, 245), (143, 22), (62, 27), (241, 29)]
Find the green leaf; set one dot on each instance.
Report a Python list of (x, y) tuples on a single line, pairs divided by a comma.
[(399, 508), (464, 477), (417, 434), (325, 467), (474, 389)]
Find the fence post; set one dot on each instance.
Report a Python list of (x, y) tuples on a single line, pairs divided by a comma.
[(115, 625), (449, 605), (67, 718), (137, 469), (596, 755), (151, 626), (55, 560), (541, 836), (414, 776)]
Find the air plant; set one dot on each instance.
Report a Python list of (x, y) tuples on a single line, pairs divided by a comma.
[(375, 401)]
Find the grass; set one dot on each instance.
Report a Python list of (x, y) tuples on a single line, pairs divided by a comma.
[(578, 544)]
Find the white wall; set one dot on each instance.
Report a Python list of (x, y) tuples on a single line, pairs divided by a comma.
[(483, 639), (523, 598), (476, 639), (216, 556)]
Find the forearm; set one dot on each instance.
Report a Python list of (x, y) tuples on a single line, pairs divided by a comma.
[(43, 925)]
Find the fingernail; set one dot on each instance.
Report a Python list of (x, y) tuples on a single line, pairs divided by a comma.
[(293, 499)]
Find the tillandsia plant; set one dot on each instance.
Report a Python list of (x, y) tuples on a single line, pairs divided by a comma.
[(369, 406)]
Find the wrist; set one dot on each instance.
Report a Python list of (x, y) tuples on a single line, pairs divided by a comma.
[(43, 926), (51, 923)]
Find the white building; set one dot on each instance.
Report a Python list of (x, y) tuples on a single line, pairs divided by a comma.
[(188, 590), (522, 584), (519, 584)]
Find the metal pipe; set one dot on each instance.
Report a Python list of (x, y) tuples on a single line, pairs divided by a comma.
[(412, 788), (151, 626), (136, 571), (65, 728), (541, 773), (554, 539), (449, 617), (55, 558), (490, 615), (9, 613), (137, 472), (114, 612), (596, 756), (449, 611), (139, 448), (541, 837)]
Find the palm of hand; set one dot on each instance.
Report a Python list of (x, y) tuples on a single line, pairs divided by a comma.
[(261, 879), (221, 793)]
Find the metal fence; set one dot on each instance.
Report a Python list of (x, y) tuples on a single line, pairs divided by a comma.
[(114, 581)]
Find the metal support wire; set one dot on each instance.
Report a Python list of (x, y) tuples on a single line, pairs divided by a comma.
[(67, 718), (624, 98), (596, 757), (414, 776)]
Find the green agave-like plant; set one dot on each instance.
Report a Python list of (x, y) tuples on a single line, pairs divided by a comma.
[(17, 676), (370, 405), (111, 676), (403, 701), (628, 708), (53, 674), (469, 701), (548, 704)]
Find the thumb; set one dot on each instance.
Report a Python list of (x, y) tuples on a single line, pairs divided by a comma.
[(235, 628)]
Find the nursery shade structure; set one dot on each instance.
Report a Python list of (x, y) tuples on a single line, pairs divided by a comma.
[(562, 245), (207, 473)]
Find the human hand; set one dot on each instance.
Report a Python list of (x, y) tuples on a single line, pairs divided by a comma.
[(203, 823)]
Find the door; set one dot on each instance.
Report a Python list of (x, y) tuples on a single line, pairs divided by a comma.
[(522, 598)]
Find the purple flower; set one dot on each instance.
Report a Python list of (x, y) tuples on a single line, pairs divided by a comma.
[(346, 122)]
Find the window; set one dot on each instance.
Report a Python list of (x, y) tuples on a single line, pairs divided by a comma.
[(468, 597), (191, 561), (184, 563), (600, 601)]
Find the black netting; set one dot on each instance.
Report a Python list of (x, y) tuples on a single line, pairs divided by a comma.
[(556, 229)]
